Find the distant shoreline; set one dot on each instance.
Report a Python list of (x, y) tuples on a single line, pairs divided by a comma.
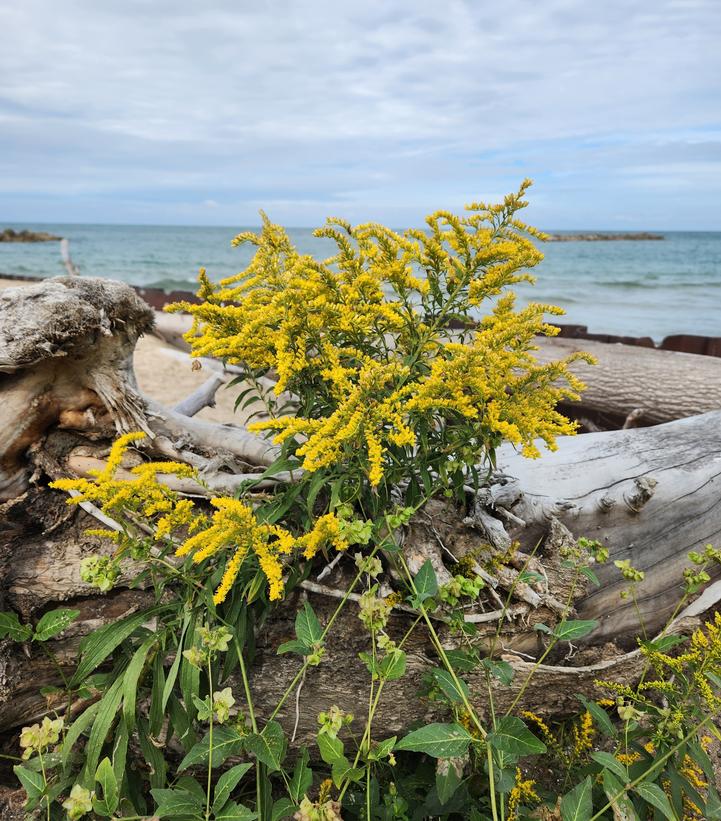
[(11, 235), (600, 236)]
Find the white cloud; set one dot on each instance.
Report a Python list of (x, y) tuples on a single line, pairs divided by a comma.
[(405, 105)]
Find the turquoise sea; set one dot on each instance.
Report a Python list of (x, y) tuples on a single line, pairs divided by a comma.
[(641, 288)]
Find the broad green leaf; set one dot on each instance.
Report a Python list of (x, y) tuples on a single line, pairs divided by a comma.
[(393, 666), (500, 670), (235, 812), (54, 622), (32, 782), (461, 660), (308, 629), (590, 575), (227, 783), (10, 627), (293, 646), (105, 776), (570, 630), (331, 748), (437, 740), (610, 762), (176, 803), (447, 781), (449, 688), (652, 794), (283, 808), (342, 770), (513, 736), (577, 804), (382, 749), (623, 809), (425, 583), (268, 746), (226, 742), (99, 645)]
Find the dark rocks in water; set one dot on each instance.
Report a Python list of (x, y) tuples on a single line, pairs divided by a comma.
[(684, 343), (10, 235), (603, 237)]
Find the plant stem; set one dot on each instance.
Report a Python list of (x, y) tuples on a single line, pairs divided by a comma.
[(210, 742), (45, 785)]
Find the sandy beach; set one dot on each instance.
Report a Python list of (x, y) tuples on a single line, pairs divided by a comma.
[(166, 374)]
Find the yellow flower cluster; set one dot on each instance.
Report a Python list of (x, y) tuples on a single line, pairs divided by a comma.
[(583, 734), (233, 524), (364, 338), (522, 790)]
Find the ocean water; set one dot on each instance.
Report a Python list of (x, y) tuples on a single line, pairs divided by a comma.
[(641, 288)]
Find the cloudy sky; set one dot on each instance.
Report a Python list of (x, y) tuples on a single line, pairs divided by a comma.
[(160, 111)]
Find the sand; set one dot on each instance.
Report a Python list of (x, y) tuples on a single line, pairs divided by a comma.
[(165, 374)]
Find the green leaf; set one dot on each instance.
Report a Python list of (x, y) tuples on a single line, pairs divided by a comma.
[(652, 794), (615, 792), (437, 740), (590, 575), (105, 776), (393, 666), (227, 783), (513, 736), (447, 781), (175, 803), (77, 728), (302, 777), (425, 583), (600, 717), (500, 670), (120, 750), (54, 622), (175, 666), (268, 746), (154, 757), (577, 804), (449, 688), (610, 762), (342, 770), (283, 808), (235, 812), (32, 782), (570, 630), (99, 645), (226, 742), (104, 718), (308, 629), (331, 748), (131, 680), (382, 749), (10, 627), (293, 646)]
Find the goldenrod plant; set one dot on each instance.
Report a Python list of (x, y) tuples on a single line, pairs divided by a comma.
[(399, 365)]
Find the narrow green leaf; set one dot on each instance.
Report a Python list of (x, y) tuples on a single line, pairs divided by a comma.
[(437, 740), (513, 736), (153, 756), (99, 645), (54, 622), (653, 794), (600, 717), (175, 666), (577, 804), (106, 715), (131, 680), (105, 776), (77, 728), (302, 779), (227, 783), (570, 630)]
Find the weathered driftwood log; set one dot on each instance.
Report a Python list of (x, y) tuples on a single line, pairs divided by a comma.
[(66, 348), (650, 495), (660, 385)]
